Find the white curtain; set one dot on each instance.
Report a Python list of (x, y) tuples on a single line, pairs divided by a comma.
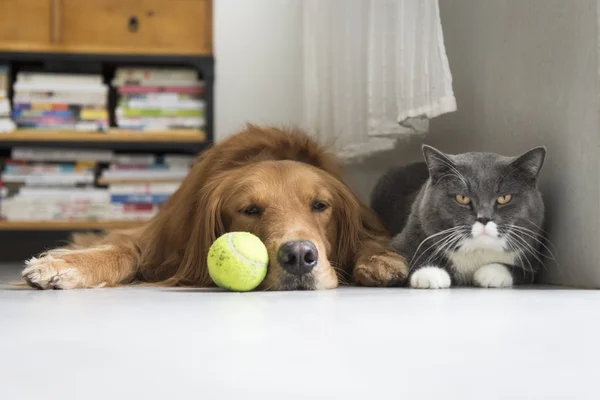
[(374, 71)]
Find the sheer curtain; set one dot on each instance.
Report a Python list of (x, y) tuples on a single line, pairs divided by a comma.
[(374, 71)]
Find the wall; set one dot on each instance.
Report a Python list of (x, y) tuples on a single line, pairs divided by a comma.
[(258, 52), (526, 73)]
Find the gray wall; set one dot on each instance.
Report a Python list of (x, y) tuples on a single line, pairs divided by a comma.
[(526, 73)]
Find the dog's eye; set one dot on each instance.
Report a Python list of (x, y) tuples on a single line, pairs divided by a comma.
[(253, 211), (319, 206)]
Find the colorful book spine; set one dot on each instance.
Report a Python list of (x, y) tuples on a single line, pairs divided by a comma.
[(133, 207), (37, 169), (159, 112), (196, 89), (153, 74)]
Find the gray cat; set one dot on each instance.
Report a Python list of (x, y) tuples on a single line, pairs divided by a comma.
[(467, 219)]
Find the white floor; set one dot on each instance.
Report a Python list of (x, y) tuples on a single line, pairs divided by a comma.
[(146, 343)]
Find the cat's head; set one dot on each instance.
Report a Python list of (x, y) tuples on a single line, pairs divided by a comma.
[(491, 197)]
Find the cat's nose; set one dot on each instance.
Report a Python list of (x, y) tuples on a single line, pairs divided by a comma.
[(483, 220)]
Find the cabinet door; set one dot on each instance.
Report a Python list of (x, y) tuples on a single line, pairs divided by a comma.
[(136, 26), (25, 24)]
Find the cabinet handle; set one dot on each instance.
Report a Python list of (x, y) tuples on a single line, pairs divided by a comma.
[(133, 24), (55, 22)]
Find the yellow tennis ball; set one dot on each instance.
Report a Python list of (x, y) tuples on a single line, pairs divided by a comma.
[(238, 261)]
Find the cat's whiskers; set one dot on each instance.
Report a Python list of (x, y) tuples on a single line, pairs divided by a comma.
[(536, 225), (451, 235), (446, 231), (514, 246), (453, 240), (535, 236), (439, 246), (523, 244), (414, 261)]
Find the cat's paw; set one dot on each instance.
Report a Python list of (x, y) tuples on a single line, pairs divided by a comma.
[(493, 276), (430, 278), (380, 270)]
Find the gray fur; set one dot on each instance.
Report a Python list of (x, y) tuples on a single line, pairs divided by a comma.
[(433, 207)]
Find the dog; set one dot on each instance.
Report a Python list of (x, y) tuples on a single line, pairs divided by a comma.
[(278, 184)]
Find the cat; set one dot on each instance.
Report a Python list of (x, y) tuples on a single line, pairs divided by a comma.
[(466, 219)]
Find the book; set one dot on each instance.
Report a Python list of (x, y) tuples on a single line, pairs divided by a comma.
[(38, 169), (139, 198), (161, 123), (191, 89), (164, 97), (50, 179), (142, 188), (59, 87), (175, 173), (47, 77), (4, 83), (7, 125), (24, 167), (4, 108), (149, 74), (50, 97), (59, 114), (178, 160), (160, 104), (72, 194), (20, 209), (158, 112), (134, 159), (58, 154)]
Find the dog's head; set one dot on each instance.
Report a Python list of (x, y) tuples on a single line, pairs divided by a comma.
[(305, 217), (277, 185)]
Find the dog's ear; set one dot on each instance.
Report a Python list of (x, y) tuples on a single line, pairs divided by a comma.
[(207, 227), (347, 217), (176, 240)]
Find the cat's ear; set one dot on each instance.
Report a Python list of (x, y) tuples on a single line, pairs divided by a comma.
[(439, 164), (530, 163)]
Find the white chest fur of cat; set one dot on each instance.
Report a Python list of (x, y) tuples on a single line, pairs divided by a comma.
[(479, 260)]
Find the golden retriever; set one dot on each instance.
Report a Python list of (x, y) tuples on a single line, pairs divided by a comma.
[(278, 184)]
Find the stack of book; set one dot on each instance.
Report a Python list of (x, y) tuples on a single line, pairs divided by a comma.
[(6, 124), (159, 99), (54, 185), (60, 101), (140, 183)]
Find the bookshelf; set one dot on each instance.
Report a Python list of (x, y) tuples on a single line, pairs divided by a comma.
[(191, 136), (64, 225), (99, 37)]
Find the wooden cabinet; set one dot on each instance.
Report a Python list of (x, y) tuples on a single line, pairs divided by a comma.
[(107, 26), (25, 23)]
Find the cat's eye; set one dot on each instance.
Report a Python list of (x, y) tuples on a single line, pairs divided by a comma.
[(252, 211), (502, 200), (319, 206), (463, 200)]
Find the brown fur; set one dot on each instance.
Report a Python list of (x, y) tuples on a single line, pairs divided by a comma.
[(283, 171)]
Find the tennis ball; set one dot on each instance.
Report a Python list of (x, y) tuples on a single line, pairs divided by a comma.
[(238, 261)]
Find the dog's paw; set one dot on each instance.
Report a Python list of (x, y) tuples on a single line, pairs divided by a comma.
[(50, 272), (493, 276), (430, 278), (385, 269)]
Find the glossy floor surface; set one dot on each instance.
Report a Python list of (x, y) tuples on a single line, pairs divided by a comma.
[(349, 343)]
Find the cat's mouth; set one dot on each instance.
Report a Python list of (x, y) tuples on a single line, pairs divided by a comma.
[(489, 229)]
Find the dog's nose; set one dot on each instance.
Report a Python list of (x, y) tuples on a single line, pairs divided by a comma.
[(298, 257)]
